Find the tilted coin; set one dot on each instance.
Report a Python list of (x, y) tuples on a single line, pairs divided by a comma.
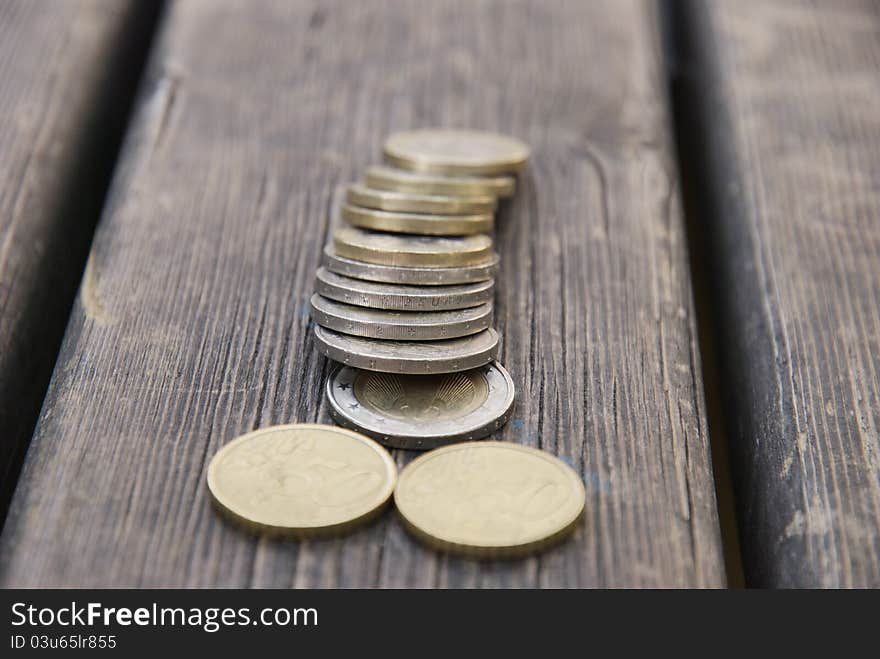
[(400, 325), (401, 180), (418, 223), (456, 152), (414, 275), (411, 202), (407, 250), (416, 357), (489, 499), (301, 479), (422, 411), (401, 297)]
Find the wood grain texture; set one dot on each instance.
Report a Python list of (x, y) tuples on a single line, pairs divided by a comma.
[(65, 83), (192, 326), (789, 94)]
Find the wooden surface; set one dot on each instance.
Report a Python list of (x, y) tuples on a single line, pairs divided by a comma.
[(191, 326), (65, 81), (791, 129)]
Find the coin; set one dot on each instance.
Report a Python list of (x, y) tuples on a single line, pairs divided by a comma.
[(414, 275), (415, 357), (489, 499), (456, 152), (400, 180), (417, 223), (422, 251), (422, 411), (400, 297), (400, 325), (301, 479), (411, 202)]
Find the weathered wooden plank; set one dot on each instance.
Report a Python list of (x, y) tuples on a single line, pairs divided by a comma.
[(67, 75), (191, 327), (787, 95)]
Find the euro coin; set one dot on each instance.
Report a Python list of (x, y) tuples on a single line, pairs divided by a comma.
[(411, 275), (399, 325), (410, 202), (416, 357), (401, 297), (387, 249), (301, 479), (456, 152), (489, 499), (401, 180), (417, 223), (422, 411)]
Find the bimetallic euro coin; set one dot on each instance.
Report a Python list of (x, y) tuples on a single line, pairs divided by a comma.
[(424, 251), (401, 297), (422, 411), (415, 357), (456, 152), (412, 275), (301, 479), (401, 180), (400, 325), (489, 499), (410, 202), (417, 223)]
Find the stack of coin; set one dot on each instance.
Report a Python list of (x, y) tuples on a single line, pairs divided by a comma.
[(404, 298)]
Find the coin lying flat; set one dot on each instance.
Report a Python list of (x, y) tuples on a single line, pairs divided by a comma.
[(417, 223), (422, 411), (413, 275), (401, 180), (301, 479), (489, 499), (401, 297), (416, 357), (456, 152), (410, 202), (407, 250), (400, 325)]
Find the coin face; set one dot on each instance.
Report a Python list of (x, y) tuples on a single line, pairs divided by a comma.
[(401, 180), (411, 202), (422, 411), (400, 325), (489, 499), (456, 152), (415, 357), (301, 479), (409, 250), (399, 296), (417, 223), (412, 275)]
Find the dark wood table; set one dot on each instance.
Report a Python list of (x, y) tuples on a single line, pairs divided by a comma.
[(710, 165)]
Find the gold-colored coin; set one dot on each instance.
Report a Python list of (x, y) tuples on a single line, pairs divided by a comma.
[(489, 499), (401, 180), (417, 223), (411, 202), (301, 479), (406, 250), (456, 152)]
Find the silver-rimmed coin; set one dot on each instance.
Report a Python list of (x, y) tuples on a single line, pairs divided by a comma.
[(412, 202), (422, 411), (401, 297), (413, 275), (456, 152), (417, 223), (400, 325), (416, 357), (423, 251), (401, 180)]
